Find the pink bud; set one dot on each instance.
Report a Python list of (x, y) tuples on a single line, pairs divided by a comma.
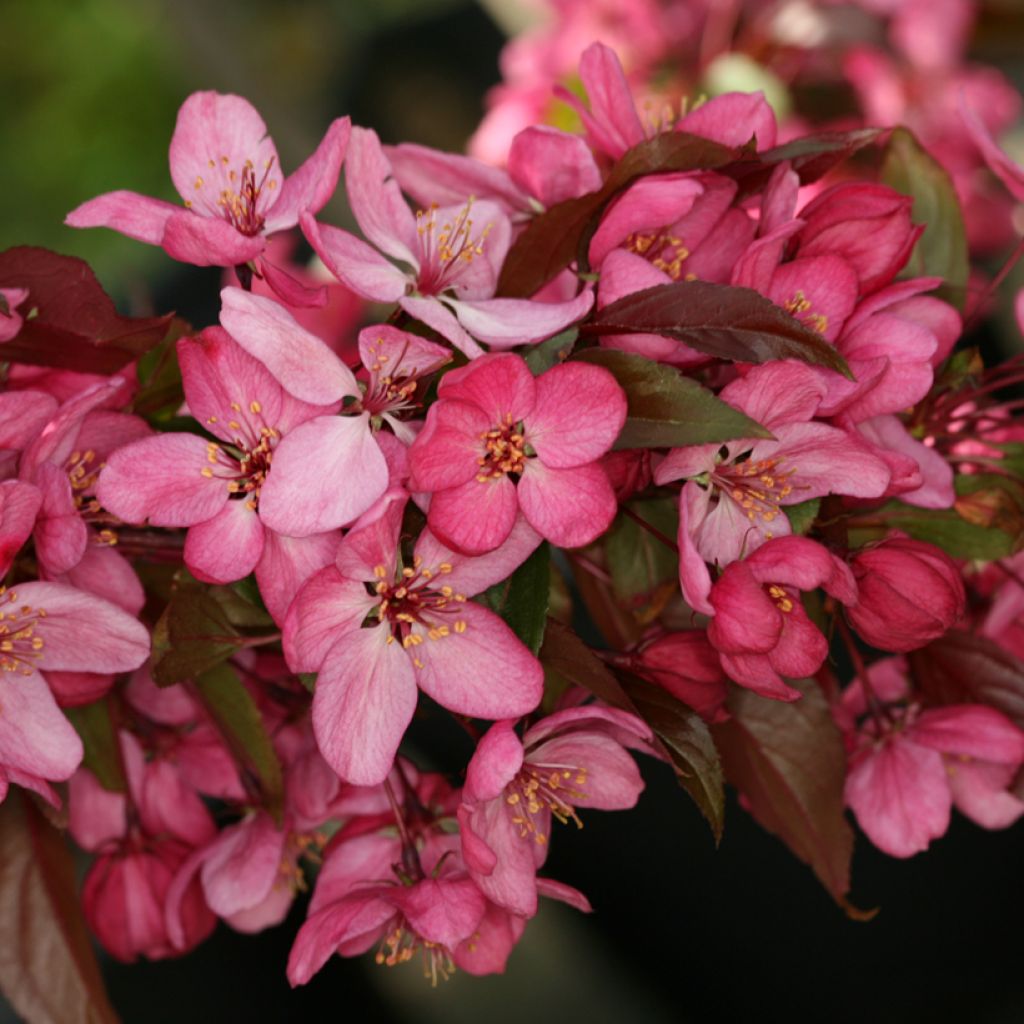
[(910, 594)]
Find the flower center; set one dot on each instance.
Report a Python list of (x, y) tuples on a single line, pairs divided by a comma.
[(415, 600), (241, 196), (800, 306), (19, 645), (83, 471), (781, 596), (544, 787), (400, 944), (245, 464), (757, 487), (662, 250), (504, 451), (448, 249)]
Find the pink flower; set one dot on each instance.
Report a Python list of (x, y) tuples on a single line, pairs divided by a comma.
[(225, 168), (760, 628), (911, 593), (427, 634), (497, 441), (23, 414), (907, 772), (573, 758), (455, 256), (19, 505), (273, 473), (10, 319), (49, 627), (735, 496), (687, 666)]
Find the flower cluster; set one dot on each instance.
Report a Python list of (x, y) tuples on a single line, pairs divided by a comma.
[(657, 428)]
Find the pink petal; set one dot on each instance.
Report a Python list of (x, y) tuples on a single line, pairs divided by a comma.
[(779, 392), (1006, 170), (365, 697), (34, 736), (446, 451), (495, 762), (437, 316), (290, 290), (19, 504), (970, 730), (479, 667), (326, 608), (287, 562), (694, 578), (504, 323), (228, 546), (900, 796), (160, 479), (579, 412), (138, 217), (105, 572), (755, 672), (243, 864), (441, 910), (309, 188), (208, 242), (499, 384), (22, 415), (551, 165), (746, 620), (488, 949), (475, 517), (303, 364), (979, 791), (733, 119), (301, 495), (569, 507), (372, 544), (612, 780), (81, 632), (613, 120), (355, 263)]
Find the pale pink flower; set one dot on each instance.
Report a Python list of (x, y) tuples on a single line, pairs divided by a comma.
[(497, 441), (226, 170)]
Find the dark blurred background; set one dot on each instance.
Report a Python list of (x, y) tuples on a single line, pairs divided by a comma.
[(681, 932)]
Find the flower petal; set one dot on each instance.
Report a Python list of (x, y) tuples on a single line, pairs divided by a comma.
[(226, 547), (140, 217), (569, 507)]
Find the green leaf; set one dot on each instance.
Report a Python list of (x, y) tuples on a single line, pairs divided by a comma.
[(691, 750), (943, 527), (48, 970), (720, 320), (551, 352), (522, 599), (193, 634), (644, 570), (942, 250), (789, 763), (561, 234), (93, 724), (666, 409), (801, 516), (238, 720)]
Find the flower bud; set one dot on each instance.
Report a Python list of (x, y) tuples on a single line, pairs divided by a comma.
[(910, 594)]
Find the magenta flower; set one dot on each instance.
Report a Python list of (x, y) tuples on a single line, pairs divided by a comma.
[(735, 496), (454, 255), (498, 441), (514, 787), (760, 628), (226, 170), (273, 472), (907, 772), (49, 627), (427, 634)]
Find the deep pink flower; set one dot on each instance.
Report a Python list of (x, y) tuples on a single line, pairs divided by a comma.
[(275, 470), (23, 414), (19, 505), (455, 255), (760, 628), (427, 633), (498, 441), (514, 787), (735, 496), (10, 318), (49, 627), (688, 667), (225, 168), (908, 769), (911, 593)]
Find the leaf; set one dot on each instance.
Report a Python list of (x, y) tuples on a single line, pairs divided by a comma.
[(666, 409), (720, 320), (788, 762), (942, 250), (522, 599), (193, 634), (691, 750), (550, 353), (93, 724), (963, 668), (802, 515), (48, 970), (943, 527), (639, 563), (681, 732), (239, 721), (561, 234), (71, 323)]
